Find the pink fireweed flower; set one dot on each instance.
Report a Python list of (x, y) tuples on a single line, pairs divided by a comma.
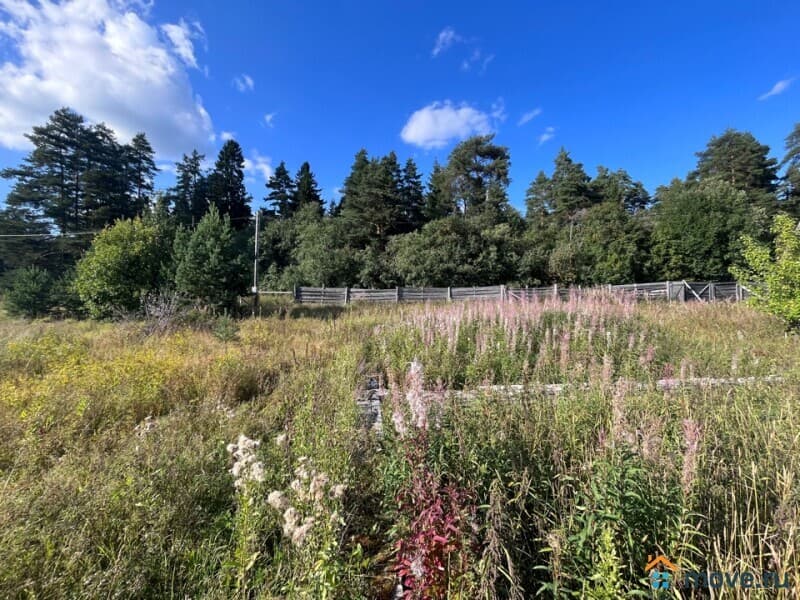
[(564, 358), (647, 356)]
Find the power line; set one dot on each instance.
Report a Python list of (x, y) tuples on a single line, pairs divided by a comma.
[(46, 235)]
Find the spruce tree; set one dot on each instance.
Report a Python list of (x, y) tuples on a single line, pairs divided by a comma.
[(438, 200), (281, 191), (412, 198), (306, 190), (189, 197), (226, 185), (209, 267)]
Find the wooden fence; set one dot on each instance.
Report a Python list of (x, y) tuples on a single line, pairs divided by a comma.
[(673, 291)]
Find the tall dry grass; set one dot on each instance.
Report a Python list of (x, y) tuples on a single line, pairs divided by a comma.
[(118, 477)]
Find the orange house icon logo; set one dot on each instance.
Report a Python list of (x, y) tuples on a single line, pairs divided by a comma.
[(660, 569)]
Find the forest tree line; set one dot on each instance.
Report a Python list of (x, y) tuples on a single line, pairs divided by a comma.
[(390, 226)]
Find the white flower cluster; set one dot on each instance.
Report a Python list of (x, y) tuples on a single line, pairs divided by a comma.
[(246, 468), (310, 493), (421, 404), (147, 426)]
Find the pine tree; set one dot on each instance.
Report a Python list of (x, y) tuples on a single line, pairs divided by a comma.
[(141, 169), (23, 251), (790, 182), (104, 194), (282, 190), (49, 181), (739, 159), (619, 187), (226, 185), (189, 197), (477, 175), (569, 187)]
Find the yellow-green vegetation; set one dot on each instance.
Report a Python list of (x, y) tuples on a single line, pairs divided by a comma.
[(229, 460)]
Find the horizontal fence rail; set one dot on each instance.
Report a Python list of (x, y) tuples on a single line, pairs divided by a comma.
[(672, 291)]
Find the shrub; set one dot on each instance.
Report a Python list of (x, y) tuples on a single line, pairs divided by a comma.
[(773, 275), (120, 268), (29, 293)]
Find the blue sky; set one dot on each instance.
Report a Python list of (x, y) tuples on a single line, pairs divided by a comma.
[(639, 85)]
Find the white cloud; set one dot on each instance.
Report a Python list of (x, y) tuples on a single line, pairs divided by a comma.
[(105, 61), (778, 88), (181, 36), (477, 58), (439, 123), (227, 135), (446, 38), (244, 83), (268, 119), (258, 165), (548, 134), (499, 110), (529, 116)]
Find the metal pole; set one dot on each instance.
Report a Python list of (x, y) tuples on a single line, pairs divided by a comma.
[(255, 267)]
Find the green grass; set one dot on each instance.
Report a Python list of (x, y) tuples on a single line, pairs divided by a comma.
[(114, 472)]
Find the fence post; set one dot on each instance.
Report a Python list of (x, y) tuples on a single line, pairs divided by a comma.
[(502, 293), (711, 293), (449, 294), (294, 294), (555, 291), (738, 292), (397, 294), (347, 295), (669, 292)]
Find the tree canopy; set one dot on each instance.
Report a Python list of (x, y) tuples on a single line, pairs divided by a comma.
[(390, 225)]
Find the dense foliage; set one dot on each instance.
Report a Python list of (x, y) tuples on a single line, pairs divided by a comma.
[(122, 266), (389, 227), (773, 274)]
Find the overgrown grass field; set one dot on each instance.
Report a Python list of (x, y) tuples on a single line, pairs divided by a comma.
[(228, 459)]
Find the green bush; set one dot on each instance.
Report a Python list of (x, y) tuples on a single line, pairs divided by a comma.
[(773, 274), (123, 264), (209, 266), (29, 292)]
